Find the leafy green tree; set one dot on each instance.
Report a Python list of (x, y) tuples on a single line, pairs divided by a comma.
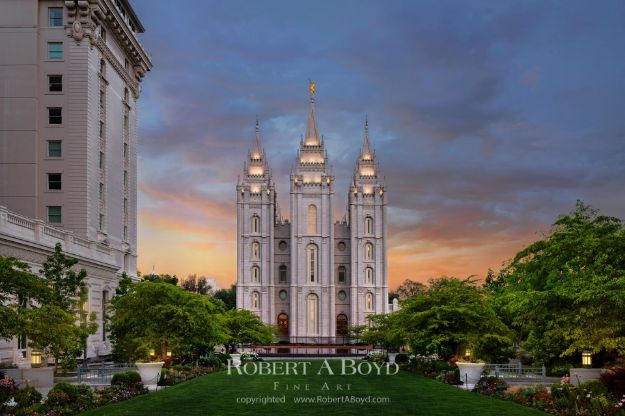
[(196, 284), (384, 330), (160, 278), (566, 293), (164, 317), (227, 296), (244, 327), (124, 284), (449, 316)]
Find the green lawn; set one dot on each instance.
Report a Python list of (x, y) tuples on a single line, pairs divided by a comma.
[(216, 394)]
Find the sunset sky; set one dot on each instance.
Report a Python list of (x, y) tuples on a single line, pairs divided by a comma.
[(489, 119)]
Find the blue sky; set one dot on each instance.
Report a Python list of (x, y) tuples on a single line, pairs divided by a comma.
[(489, 119)]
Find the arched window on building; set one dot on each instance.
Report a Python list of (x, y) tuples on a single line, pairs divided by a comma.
[(255, 224), (369, 301), (255, 274), (342, 274), (368, 275), (255, 250), (283, 324), (341, 324), (369, 225), (312, 219), (255, 300), (282, 274), (368, 251), (311, 262), (312, 323)]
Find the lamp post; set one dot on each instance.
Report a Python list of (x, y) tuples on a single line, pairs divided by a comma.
[(467, 354), (586, 359)]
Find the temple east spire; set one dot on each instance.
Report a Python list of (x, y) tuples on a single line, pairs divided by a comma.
[(257, 151), (312, 135), (366, 153)]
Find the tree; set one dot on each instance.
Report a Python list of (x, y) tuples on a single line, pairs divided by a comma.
[(409, 289), (123, 287), (385, 331), (52, 328), (160, 278), (565, 293), (197, 285), (227, 296), (164, 317), (448, 317), (244, 327)]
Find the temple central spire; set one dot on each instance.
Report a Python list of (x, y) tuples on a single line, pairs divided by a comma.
[(312, 136)]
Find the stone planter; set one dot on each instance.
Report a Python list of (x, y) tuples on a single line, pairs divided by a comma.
[(391, 357), (150, 373), (236, 359), (470, 373), (581, 375), (39, 377)]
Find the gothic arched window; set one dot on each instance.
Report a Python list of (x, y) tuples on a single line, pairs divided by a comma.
[(255, 274), (255, 300), (341, 324), (368, 275), (369, 301), (311, 262), (369, 225), (313, 311), (283, 323), (368, 251), (342, 274), (312, 219), (255, 224), (255, 250), (282, 274)]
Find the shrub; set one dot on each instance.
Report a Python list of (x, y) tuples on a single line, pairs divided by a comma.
[(594, 387), (558, 370), (376, 357), (7, 389), (67, 399), (210, 361), (614, 380), (401, 358), (27, 396), (427, 367), (491, 386), (182, 367), (224, 357), (127, 379), (451, 377)]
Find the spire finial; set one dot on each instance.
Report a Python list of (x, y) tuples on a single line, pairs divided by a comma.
[(366, 147), (312, 136), (256, 150)]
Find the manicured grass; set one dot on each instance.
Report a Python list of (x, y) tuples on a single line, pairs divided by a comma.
[(408, 394)]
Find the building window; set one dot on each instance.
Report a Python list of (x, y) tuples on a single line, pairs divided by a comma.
[(101, 222), (101, 192), (102, 67), (255, 224), (369, 225), (54, 181), (282, 245), (369, 275), (368, 251), (311, 254), (101, 161), (126, 179), (101, 129), (342, 272), (369, 301), (255, 300), (55, 16), (105, 300), (283, 323), (255, 274), (101, 98), (312, 219), (282, 274), (55, 50), (255, 250), (125, 206), (341, 325), (313, 311), (126, 64), (54, 215), (341, 295), (126, 94), (55, 115), (125, 150), (125, 233), (283, 295), (102, 34), (54, 148), (55, 83), (126, 123)]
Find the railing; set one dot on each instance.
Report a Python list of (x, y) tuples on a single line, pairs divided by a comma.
[(515, 372), (100, 376)]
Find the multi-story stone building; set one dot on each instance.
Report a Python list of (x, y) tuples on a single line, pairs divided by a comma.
[(312, 276), (70, 74)]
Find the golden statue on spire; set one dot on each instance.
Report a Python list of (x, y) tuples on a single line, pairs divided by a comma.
[(312, 87)]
